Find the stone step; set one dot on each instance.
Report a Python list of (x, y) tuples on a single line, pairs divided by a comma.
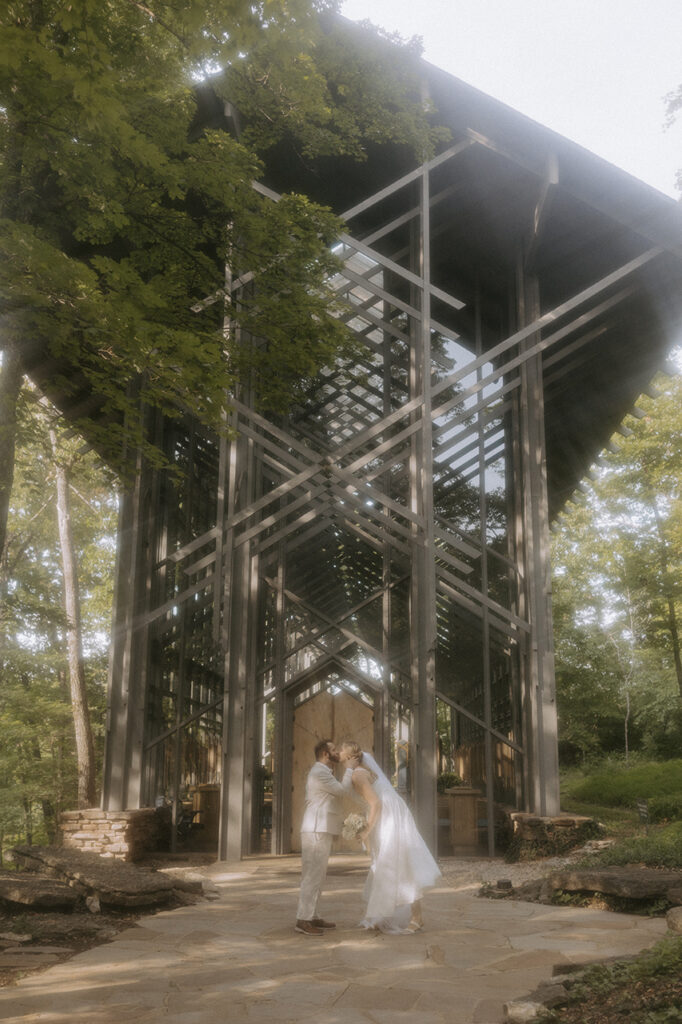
[(635, 883), (34, 951), (37, 893), (22, 960), (14, 937), (114, 883)]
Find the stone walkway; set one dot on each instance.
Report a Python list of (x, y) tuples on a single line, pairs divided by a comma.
[(235, 957)]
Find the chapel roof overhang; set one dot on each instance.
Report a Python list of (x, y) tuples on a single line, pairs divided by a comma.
[(522, 188), (518, 187)]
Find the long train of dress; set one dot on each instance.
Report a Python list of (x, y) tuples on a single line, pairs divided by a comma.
[(402, 867)]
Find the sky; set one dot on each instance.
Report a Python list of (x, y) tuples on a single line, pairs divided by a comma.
[(596, 71)]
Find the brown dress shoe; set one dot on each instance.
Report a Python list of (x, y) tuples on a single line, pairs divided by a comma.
[(308, 928), (319, 923)]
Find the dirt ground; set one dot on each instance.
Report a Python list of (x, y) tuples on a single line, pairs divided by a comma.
[(80, 929), (633, 1003), (72, 932)]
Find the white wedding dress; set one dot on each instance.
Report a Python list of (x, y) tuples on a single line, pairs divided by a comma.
[(402, 867)]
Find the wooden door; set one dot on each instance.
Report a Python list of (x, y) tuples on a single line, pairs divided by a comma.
[(335, 716)]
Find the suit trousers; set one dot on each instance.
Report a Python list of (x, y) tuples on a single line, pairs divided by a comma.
[(315, 850)]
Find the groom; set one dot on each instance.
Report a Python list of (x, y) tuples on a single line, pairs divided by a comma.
[(322, 820)]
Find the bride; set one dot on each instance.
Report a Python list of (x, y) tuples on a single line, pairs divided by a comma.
[(402, 866)]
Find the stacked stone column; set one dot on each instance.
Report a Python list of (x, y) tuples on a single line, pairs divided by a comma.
[(124, 835)]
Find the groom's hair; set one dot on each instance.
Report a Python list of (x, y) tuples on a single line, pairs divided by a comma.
[(321, 747)]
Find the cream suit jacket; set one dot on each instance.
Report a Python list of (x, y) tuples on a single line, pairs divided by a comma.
[(323, 811)]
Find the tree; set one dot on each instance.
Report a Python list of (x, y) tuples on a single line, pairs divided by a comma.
[(589, 670), (123, 195), (38, 762), (648, 471), (10, 382), (618, 583), (85, 746), (126, 189)]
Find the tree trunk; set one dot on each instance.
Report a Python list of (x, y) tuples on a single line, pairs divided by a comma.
[(672, 613), (675, 637), (626, 725), (49, 818), (85, 747), (10, 384), (28, 821)]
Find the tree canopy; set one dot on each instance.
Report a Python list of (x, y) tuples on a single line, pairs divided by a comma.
[(122, 202), (38, 765), (618, 591)]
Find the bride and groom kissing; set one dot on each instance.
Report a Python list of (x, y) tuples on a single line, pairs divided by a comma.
[(401, 866)]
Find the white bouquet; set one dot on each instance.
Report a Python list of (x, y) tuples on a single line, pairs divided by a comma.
[(353, 826)]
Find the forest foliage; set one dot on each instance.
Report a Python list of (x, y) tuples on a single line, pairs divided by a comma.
[(38, 769), (131, 135), (617, 595), (126, 188), (617, 582), (120, 204)]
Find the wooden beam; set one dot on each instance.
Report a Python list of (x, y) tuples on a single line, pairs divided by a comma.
[(407, 179)]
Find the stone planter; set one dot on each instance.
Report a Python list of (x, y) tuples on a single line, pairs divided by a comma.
[(124, 835)]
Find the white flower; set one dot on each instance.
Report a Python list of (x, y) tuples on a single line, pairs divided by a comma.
[(353, 826)]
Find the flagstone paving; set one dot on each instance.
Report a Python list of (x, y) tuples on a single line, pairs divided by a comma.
[(237, 959)]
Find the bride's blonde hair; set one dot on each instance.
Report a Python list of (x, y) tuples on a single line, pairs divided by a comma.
[(356, 751)]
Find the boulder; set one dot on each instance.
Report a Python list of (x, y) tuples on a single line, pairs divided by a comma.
[(115, 883), (14, 938), (629, 882), (37, 893), (23, 960), (674, 919), (522, 1010)]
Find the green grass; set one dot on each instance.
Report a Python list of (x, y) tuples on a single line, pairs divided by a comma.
[(647, 990), (660, 847), (615, 819), (644, 991), (609, 793), (619, 786)]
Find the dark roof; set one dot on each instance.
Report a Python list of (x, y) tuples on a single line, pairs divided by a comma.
[(594, 218)]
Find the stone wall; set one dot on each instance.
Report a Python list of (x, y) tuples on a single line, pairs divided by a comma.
[(124, 835), (535, 836)]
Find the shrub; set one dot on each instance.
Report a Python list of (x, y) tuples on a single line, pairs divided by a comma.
[(446, 780), (660, 849), (623, 786), (666, 808), (653, 976)]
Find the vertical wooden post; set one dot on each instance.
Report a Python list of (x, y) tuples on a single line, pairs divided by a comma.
[(539, 698), (383, 727), (423, 584), (485, 615), (519, 602), (227, 570), (181, 674), (250, 729), (116, 743), (124, 750), (382, 702), (235, 630), (280, 826)]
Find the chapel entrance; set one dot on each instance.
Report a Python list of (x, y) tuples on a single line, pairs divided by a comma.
[(335, 709)]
